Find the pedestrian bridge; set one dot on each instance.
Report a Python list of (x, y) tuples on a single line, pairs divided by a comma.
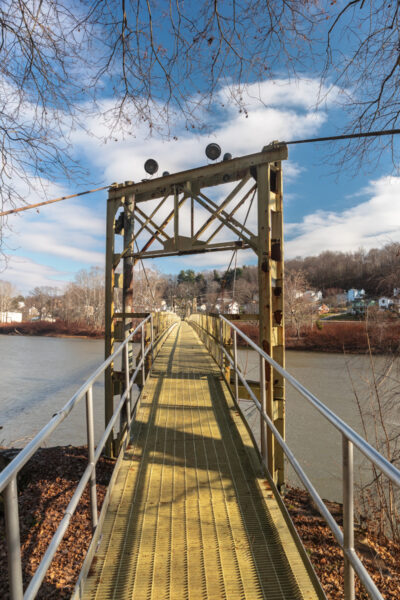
[(192, 514), (191, 511)]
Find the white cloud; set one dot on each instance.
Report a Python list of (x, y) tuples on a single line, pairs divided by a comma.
[(73, 231), (369, 224), (287, 115), (305, 93), (26, 274)]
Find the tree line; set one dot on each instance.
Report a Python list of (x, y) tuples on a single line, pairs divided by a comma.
[(82, 301), (376, 270)]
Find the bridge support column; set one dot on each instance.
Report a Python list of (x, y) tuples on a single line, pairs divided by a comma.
[(270, 278), (110, 282)]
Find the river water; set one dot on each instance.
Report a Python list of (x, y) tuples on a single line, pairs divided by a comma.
[(38, 376)]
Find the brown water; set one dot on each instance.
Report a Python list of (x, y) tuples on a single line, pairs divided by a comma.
[(335, 379), (39, 375)]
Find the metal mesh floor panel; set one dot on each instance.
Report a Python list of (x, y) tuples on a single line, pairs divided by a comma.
[(191, 516)]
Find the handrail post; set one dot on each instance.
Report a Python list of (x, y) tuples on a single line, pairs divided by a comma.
[(143, 361), (13, 540), (152, 338), (235, 363), (90, 443), (221, 345), (127, 387), (348, 516), (263, 425)]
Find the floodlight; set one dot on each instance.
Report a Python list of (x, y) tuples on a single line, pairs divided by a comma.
[(213, 151), (165, 173), (151, 166), (227, 156)]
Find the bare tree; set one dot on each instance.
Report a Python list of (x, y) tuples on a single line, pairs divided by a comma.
[(298, 308), (378, 410), (7, 292), (148, 289), (45, 299), (362, 57), (83, 299), (145, 62)]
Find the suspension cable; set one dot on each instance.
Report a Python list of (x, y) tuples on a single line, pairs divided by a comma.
[(234, 253), (145, 274), (332, 138), (29, 206)]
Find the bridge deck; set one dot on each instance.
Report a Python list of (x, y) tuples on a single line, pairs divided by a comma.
[(191, 515)]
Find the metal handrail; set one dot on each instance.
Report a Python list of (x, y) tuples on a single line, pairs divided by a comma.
[(350, 438), (369, 451), (8, 476)]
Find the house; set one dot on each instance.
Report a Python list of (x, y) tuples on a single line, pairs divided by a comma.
[(233, 308), (313, 295), (385, 303), (10, 317), (360, 306), (354, 294), (309, 295), (323, 309)]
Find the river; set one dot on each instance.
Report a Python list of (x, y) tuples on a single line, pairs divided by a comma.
[(38, 375)]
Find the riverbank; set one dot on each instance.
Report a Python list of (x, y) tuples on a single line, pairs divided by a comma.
[(46, 486), (47, 329), (352, 337)]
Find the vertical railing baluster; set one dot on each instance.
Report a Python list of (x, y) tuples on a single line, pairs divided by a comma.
[(13, 540), (235, 363), (143, 362), (221, 341), (263, 425), (90, 444), (152, 338), (348, 516), (127, 387)]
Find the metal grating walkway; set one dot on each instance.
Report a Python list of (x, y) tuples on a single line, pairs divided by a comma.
[(191, 516)]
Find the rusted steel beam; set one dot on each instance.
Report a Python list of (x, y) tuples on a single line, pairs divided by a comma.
[(220, 247), (207, 176), (222, 206), (150, 220)]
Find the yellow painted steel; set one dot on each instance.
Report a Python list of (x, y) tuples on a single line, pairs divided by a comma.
[(191, 516)]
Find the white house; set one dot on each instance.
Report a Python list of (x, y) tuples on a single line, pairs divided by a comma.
[(385, 302), (10, 317), (233, 308), (309, 295)]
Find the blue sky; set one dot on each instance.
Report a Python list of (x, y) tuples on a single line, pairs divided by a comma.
[(324, 209)]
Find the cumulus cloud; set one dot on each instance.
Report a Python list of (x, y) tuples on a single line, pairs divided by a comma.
[(72, 232), (305, 93), (369, 224), (48, 245), (284, 111), (27, 274)]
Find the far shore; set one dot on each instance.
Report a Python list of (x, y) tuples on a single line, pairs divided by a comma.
[(48, 329), (353, 337)]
